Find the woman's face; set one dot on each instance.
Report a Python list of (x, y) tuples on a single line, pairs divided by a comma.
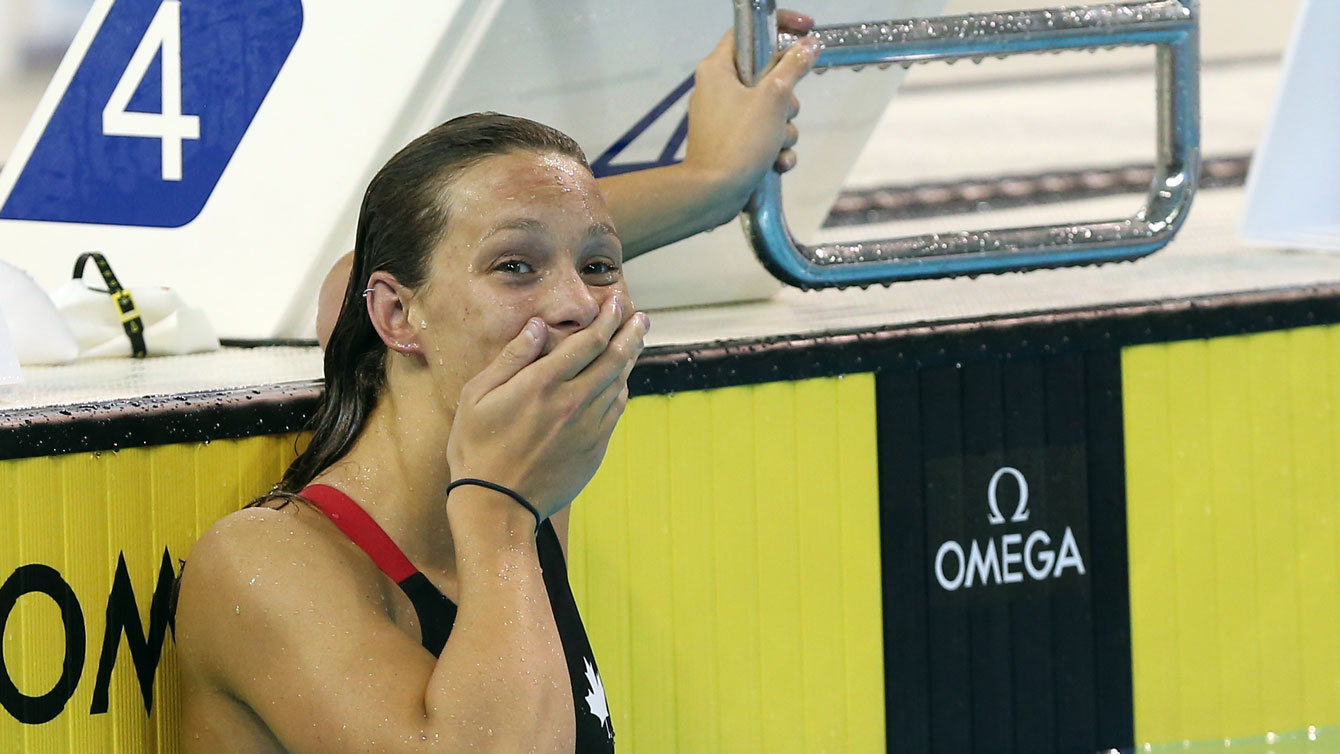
[(528, 235)]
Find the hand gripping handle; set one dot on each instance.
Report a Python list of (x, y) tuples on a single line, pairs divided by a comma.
[(1171, 25)]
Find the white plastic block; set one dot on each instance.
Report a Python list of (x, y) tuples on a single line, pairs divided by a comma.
[(1293, 192)]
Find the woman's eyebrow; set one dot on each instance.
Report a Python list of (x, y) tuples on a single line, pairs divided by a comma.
[(601, 229), (527, 224), (532, 225)]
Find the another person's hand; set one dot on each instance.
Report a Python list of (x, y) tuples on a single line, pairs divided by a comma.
[(540, 425), (738, 132)]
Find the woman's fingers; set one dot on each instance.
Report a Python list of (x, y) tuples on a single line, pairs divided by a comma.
[(797, 61), (578, 350), (619, 356), (610, 419), (516, 355), (794, 21), (723, 56), (609, 396), (786, 159)]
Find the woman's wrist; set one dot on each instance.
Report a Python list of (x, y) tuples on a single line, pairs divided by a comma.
[(474, 511), (508, 491), (722, 192)]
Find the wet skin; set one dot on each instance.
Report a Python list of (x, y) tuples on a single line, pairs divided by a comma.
[(530, 236), (289, 637)]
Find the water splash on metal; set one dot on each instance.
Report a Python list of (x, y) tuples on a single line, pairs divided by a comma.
[(883, 39)]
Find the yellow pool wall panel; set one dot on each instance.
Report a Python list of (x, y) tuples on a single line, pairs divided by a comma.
[(1232, 447), (78, 514), (726, 558)]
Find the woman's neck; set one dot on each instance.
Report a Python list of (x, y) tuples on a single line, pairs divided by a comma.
[(397, 471)]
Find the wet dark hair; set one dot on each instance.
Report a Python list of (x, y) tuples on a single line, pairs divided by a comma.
[(403, 218)]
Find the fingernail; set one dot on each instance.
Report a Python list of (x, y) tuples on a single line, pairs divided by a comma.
[(646, 321), (535, 328)]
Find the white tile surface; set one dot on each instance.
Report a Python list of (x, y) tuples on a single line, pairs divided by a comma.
[(102, 380)]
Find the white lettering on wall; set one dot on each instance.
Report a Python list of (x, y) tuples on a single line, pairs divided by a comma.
[(982, 563), (1069, 556), (946, 549), (1021, 510), (1046, 557)]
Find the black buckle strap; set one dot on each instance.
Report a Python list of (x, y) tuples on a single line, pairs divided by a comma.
[(125, 303)]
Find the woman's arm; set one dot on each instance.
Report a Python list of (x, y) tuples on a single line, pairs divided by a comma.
[(736, 134), (293, 625)]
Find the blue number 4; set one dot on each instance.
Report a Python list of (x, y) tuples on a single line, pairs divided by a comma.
[(154, 111)]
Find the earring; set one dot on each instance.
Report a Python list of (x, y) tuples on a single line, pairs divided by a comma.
[(366, 291)]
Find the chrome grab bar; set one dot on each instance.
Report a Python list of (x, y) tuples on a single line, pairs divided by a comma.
[(1171, 25)]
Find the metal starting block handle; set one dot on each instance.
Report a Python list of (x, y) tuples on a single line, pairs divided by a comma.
[(1171, 25)]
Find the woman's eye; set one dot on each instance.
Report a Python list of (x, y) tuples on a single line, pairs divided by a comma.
[(600, 268), (515, 267)]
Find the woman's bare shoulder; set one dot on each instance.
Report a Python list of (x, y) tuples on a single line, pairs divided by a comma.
[(284, 618), (263, 536), (250, 572)]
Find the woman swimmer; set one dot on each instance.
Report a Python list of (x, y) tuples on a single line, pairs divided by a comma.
[(484, 353)]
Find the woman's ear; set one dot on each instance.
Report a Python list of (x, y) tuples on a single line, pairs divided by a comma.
[(387, 302)]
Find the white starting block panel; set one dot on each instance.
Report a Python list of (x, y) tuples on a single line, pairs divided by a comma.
[(1293, 196), (222, 149)]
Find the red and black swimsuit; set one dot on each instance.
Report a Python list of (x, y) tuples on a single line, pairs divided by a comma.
[(595, 731)]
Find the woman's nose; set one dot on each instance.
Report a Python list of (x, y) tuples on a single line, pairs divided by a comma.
[(570, 305)]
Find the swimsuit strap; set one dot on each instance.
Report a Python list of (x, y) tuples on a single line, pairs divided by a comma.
[(436, 613), (359, 527)]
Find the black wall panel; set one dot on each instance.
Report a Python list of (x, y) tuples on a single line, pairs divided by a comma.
[(1007, 627)]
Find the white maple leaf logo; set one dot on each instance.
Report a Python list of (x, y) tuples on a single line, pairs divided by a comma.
[(595, 700)]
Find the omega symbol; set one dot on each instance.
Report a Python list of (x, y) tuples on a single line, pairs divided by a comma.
[(1021, 510)]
